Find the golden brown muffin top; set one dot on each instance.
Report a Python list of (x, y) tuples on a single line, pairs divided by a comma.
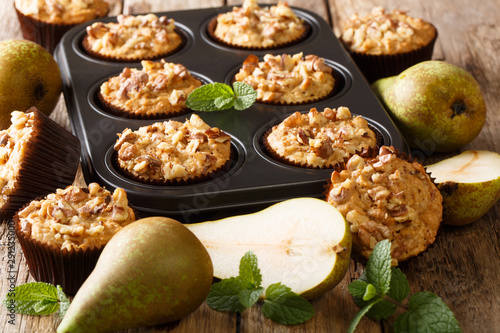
[(63, 11)]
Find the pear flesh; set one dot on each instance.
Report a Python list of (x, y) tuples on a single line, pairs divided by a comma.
[(469, 183), (153, 271), (304, 243)]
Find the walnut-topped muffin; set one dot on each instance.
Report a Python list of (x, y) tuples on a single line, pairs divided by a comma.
[(132, 38), (252, 26), (287, 79), (172, 152), (158, 89), (319, 139), (387, 197)]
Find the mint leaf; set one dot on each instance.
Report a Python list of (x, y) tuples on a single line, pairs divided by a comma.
[(223, 102), (248, 297), (245, 95), (370, 292), (357, 288), (224, 295), (427, 313), (383, 309), (204, 98), (378, 267), (360, 314), (400, 288), (35, 298), (249, 269), (284, 306), (63, 302)]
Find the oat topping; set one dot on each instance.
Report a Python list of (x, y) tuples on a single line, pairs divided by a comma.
[(254, 26), (387, 197), (134, 37), (287, 78), (321, 139), (157, 88), (77, 218), (386, 33), (172, 150), (13, 143), (63, 11)]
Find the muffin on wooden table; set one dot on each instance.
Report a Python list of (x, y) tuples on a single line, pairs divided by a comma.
[(387, 197), (385, 43), (46, 21), (63, 234), (288, 79), (159, 89), (132, 38)]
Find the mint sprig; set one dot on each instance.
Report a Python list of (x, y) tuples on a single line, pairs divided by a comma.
[(239, 293), (219, 96), (381, 289), (37, 298)]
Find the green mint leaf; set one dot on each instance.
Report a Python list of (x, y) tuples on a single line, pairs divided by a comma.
[(249, 270), (34, 298), (364, 310), (63, 302), (285, 307), (248, 297), (357, 288), (427, 313), (245, 95), (378, 267), (400, 288), (203, 98), (223, 102), (383, 309), (224, 295), (370, 292)]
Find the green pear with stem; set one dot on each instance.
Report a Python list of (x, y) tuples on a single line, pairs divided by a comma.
[(304, 243), (469, 183), (437, 106)]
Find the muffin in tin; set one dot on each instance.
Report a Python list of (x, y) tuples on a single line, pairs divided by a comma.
[(385, 43), (63, 233), (288, 79), (46, 21), (387, 197), (172, 152), (253, 27), (133, 38), (319, 139), (37, 156), (159, 89)]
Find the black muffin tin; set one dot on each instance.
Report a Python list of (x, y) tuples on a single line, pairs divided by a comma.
[(254, 179)]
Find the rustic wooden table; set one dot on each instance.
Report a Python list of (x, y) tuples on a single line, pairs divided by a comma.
[(462, 267)]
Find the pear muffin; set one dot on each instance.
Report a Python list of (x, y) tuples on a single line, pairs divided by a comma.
[(385, 43), (287, 79), (255, 27), (158, 89), (46, 21), (63, 233), (37, 156), (132, 38), (319, 139), (387, 197), (172, 152)]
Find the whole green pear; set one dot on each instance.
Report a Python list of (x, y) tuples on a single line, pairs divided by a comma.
[(437, 106), (153, 271)]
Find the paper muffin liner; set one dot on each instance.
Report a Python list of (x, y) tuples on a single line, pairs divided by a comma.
[(189, 180), (212, 25), (46, 34), (50, 161), (125, 58), (375, 67)]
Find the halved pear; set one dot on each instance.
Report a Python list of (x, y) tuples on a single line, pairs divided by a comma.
[(469, 183), (304, 243)]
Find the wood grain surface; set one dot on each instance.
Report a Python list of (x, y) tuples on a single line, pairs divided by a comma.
[(462, 266)]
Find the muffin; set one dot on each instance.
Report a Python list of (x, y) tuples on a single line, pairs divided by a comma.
[(319, 139), (159, 89), (287, 79), (132, 38), (63, 233), (46, 21), (385, 43), (255, 27), (172, 153), (37, 156), (387, 197)]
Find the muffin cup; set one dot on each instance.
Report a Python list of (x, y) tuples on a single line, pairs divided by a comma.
[(51, 161), (375, 67)]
